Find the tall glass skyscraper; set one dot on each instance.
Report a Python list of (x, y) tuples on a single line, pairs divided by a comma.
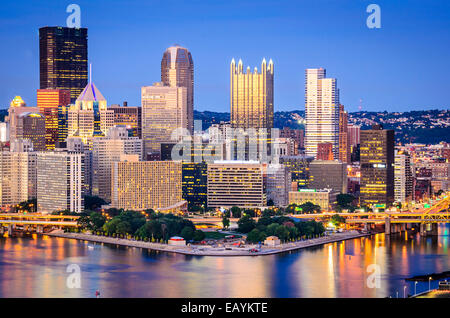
[(251, 96), (63, 56), (321, 111), (177, 70)]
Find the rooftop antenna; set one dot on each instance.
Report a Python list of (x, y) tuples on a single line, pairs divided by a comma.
[(360, 104)]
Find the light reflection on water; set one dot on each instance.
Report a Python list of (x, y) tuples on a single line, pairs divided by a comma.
[(36, 267)]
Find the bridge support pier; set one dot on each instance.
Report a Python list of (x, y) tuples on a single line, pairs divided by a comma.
[(10, 229), (428, 229), (387, 226), (2, 230), (39, 229)]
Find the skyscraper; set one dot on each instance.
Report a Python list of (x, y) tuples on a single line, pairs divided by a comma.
[(31, 126), (63, 56), (321, 110), (89, 117), (251, 96), (60, 176), (377, 167), (404, 182), (164, 115), (344, 149), (177, 70), (49, 102)]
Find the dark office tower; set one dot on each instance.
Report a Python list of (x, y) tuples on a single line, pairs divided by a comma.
[(177, 70), (63, 56), (377, 167)]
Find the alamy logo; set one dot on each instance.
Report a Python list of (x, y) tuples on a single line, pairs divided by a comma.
[(374, 19), (74, 19), (74, 279), (374, 279)]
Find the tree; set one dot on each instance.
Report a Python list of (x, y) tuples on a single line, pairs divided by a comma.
[(256, 236), (199, 235), (309, 207), (270, 202), (187, 233), (282, 232), (225, 222), (93, 202), (345, 200), (235, 212), (250, 212), (123, 227), (246, 224), (337, 220)]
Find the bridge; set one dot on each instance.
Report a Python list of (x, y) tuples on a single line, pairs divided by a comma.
[(395, 222), (35, 222)]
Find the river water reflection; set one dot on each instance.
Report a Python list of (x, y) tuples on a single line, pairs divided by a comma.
[(36, 267)]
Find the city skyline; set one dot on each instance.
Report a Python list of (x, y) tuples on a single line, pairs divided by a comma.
[(360, 64)]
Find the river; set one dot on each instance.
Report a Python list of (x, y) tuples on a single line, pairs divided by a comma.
[(37, 267)]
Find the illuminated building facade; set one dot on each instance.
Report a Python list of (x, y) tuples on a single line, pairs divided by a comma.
[(164, 115), (321, 111), (107, 150), (195, 183), (251, 96), (141, 185), (377, 167), (31, 126), (17, 174), (49, 102), (89, 117), (344, 149), (16, 108), (298, 167), (328, 174), (325, 151), (278, 181), (236, 183), (325, 198), (60, 179), (130, 117), (63, 56), (403, 178), (177, 70)]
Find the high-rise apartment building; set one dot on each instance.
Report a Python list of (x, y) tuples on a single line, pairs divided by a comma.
[(177, 70), (251, 96), (377, 167), (403, 178), (164, 115), (60, 181), (63, 56), (322, 111), (344, 149), (236, 183), (107, 150), (17, 174), (141, 185), (353, 134), (89, 117), (49, 102)]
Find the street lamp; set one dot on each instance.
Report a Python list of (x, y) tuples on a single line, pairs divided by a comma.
[(404, 291), (415, 288), (429, 283)]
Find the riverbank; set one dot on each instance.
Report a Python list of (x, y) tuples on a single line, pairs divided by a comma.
[(201, 250)]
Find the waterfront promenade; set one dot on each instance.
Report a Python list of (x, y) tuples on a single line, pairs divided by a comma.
[(205, 250)]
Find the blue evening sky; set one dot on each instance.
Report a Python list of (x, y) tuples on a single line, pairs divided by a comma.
[(402, 66)]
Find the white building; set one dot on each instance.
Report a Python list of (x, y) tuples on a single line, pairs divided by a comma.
[(60, 177), (321, 111), (107, 150)]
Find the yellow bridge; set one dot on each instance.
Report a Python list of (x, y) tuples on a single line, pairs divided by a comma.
[(35, 222)]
